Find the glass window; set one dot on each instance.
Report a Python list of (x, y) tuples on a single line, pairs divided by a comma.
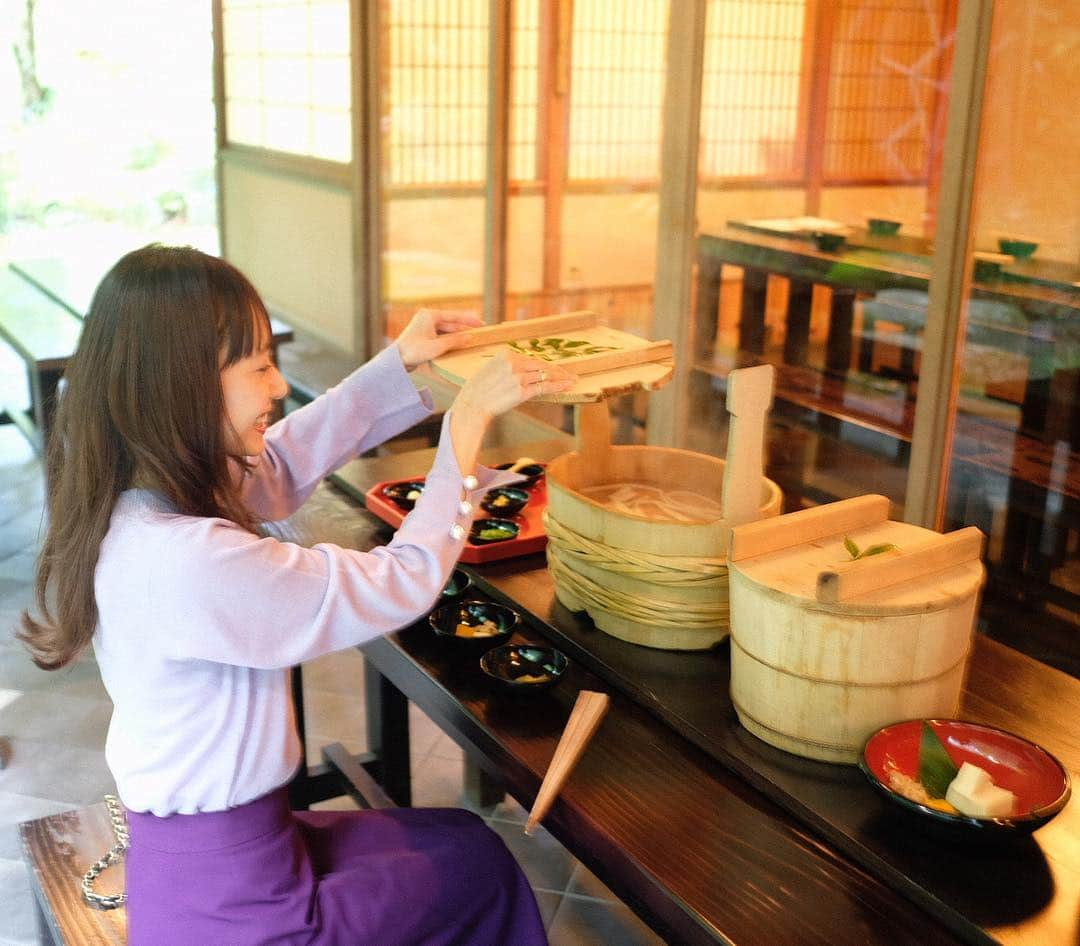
[(287, 76)]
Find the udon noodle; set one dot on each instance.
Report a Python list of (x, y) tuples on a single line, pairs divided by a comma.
[(652, 502)]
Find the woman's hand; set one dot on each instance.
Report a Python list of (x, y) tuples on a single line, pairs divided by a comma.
[(430, 333), (507, 380)]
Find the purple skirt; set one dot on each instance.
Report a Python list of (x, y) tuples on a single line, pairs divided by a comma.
[(261, 874)]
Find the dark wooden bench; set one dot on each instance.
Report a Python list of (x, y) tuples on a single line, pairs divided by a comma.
[(43, 327), (44, 334), (58, 849)]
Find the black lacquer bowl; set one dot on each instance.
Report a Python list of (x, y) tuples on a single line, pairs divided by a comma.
[(474, 625), (404, 495), (505, 501), (524, 668), (457, 585), (489, 531), (534, 472)]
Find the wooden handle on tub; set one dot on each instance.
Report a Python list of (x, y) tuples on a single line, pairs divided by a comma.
[(863, 575), (797, 528)]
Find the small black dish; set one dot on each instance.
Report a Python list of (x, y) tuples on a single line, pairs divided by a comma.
[(488, 531), (474, 624), (826, 241), (534, 472), (404, 495), (458, 584), (505, 501), (524, 668)]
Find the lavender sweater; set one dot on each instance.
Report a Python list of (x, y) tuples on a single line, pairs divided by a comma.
[(199, 619)]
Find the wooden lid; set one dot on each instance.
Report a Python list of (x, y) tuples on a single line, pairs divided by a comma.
[(611, 363), (808, 556)]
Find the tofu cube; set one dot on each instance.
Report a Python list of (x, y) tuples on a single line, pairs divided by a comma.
[(971, 778), (974, 793)]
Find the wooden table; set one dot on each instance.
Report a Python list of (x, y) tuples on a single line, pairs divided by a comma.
[(875, 263), (72, 282), (707, 849)]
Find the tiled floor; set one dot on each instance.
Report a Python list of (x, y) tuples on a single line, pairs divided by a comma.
[(52, 734)]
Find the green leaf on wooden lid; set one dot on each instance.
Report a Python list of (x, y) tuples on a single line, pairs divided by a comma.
[(936, 767), (853, 549), (877, 549)]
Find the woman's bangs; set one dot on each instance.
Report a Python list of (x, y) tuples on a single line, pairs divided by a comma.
[(244, 325)]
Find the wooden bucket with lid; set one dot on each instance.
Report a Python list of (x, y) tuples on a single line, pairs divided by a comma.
[(826, 649)]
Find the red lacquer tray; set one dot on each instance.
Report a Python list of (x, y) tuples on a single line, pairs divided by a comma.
[(530, 538)]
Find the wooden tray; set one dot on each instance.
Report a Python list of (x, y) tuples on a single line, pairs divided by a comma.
[(531, 537), (632, 364)]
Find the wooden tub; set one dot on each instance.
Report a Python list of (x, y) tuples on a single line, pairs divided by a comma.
[(653, 582), (826, 649)]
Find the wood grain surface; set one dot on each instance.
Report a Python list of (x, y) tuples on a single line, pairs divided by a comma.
[(59, 849)]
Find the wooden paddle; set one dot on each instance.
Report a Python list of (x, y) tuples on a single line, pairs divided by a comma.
[(588, 711)]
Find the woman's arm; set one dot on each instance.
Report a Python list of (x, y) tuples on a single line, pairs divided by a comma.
[(376, 402)]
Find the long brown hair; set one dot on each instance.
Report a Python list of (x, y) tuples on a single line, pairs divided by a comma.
[(143, 405)]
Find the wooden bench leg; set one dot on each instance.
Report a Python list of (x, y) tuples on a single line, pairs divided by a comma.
[(752, 311), (388, 734), (797, 336), (841, 326), (43, 397), (481, 789)]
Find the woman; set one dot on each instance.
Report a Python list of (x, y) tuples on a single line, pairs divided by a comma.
[(162, 462)]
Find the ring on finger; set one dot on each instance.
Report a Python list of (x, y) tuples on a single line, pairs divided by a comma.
[(543, 376)]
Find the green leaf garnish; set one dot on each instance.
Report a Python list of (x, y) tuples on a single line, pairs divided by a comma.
[(936, 767), (555, 349), (877, 549), (853, 549)]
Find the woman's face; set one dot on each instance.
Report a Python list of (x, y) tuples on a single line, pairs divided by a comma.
[(250, 387)]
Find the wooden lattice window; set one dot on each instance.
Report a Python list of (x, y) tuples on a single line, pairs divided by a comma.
[(287, 76), (883, 88), (752, 88), (438, 82), (525, 91), (617, 88)]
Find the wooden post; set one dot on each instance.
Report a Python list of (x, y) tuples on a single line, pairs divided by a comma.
[(498, 157), (935, 409), (677, 212)]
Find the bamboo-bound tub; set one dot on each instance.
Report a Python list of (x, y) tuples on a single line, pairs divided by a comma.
[(649, 581)]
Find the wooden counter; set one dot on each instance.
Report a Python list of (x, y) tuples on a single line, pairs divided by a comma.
[(711, 835)]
